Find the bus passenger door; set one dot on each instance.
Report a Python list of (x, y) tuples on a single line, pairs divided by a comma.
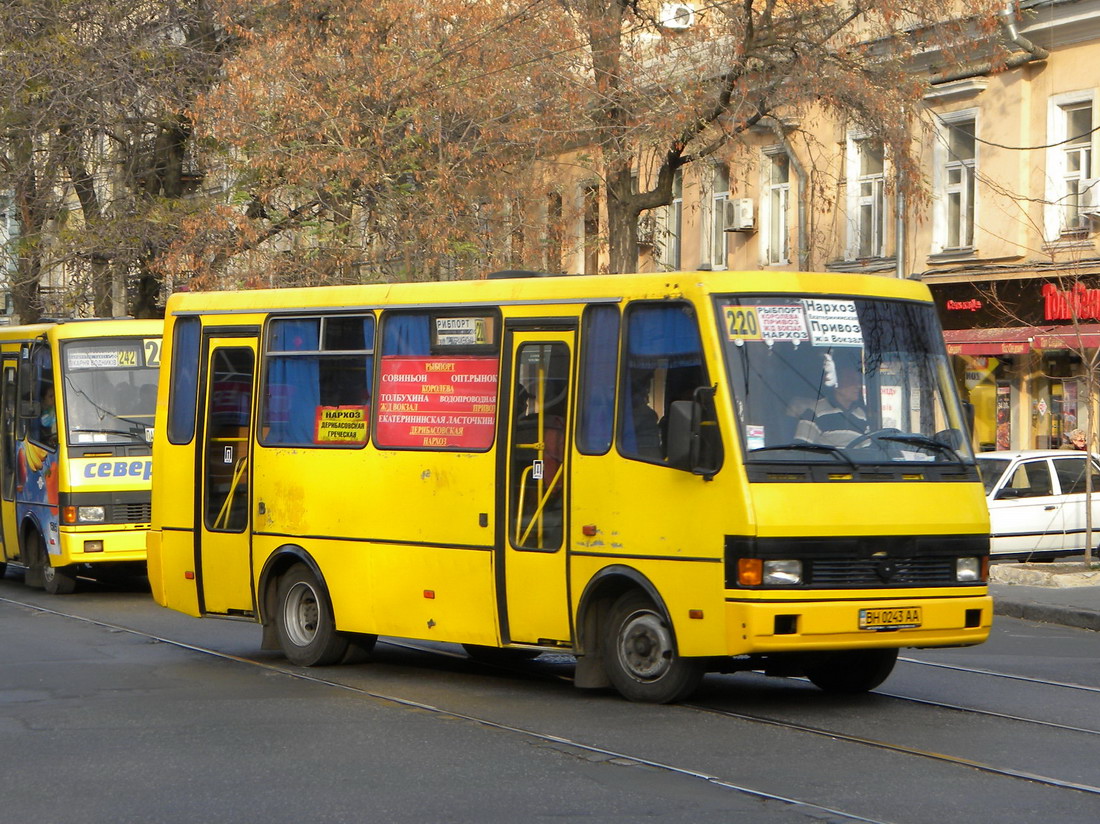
[(535, 488), (9, 403), (225, 575)]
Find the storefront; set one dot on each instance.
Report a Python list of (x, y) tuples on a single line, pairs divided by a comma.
[(1019, 349)]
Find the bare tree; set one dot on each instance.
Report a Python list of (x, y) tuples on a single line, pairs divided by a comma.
[(93, 138), (396, 135)]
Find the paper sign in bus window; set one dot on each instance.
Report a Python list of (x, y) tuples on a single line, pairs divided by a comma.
[(340, 424), (766, 323), (437, 403), (833, 322)]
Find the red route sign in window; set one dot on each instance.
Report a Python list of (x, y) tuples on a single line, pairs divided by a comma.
[(437, 403)]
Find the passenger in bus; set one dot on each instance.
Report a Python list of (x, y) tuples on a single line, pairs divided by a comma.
[(839, 416), (47, 420)]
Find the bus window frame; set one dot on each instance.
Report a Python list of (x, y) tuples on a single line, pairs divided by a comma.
[(623, 387), (267, 354), (584, 377), (435, 349), (176, 395)]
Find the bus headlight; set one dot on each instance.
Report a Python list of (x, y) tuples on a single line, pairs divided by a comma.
[(90, 514), (782, 573), (968, 569)]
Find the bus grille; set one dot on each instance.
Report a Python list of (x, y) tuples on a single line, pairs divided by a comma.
[(871, 571), (136, 513)]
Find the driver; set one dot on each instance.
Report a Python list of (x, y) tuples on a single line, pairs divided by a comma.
[(839, 416)]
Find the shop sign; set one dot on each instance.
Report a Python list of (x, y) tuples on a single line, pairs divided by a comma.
[(1078, 302)]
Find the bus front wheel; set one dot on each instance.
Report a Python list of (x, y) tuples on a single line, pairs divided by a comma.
[(850, 671), (303, 618), (640, 656)]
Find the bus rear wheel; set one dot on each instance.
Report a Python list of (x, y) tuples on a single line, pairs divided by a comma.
[(640, 656), (304, 622), (851, 671)]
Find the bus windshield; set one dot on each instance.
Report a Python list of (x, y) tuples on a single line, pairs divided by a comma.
[(847, 380), (110, 390)]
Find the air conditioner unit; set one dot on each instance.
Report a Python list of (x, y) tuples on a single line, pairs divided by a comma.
[(647, 229), (1089, 194), (677, 16), (739, 215)]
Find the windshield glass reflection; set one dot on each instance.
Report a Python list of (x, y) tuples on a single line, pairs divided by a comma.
[(110, 392), (852, 381)]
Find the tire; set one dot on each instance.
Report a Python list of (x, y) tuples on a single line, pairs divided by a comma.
[(500, 656), (34, 558), (58, 580), (304, 623), (639, 654), (851, 671)]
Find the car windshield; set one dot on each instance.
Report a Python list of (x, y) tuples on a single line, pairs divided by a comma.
[(847, 380), (110, 391), (991, 470)]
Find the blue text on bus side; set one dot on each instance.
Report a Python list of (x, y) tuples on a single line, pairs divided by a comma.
[(119, 469)]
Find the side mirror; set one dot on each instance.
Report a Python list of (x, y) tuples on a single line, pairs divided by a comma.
[(680, 434), (694, 444)]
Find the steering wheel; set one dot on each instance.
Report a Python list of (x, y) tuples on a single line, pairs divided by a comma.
[(872, 436)]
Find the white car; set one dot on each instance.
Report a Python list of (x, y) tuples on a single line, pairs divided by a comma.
[(1037, 502)]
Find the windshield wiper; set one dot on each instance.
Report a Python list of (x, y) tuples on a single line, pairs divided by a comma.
[(134, 436), (923, 440), (810, 447)]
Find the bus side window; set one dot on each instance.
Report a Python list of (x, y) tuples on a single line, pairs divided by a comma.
[(599, 360), (37, 402), (662, 363), (183, 397)]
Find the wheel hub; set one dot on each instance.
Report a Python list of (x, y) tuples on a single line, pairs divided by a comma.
[(645, 647), (301, 612)]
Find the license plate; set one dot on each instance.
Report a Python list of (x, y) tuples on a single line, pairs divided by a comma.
[(890, 618)]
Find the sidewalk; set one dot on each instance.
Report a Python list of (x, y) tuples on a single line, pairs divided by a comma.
[(1046, 593)]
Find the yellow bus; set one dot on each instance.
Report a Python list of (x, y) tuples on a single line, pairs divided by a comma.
[(634, 469), (76, 439)]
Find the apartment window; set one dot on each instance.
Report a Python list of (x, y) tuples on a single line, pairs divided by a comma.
[(670, 225), (1077, 165), (958, 181), (777, 190), (866, 198), (872, 198), (720, 194)]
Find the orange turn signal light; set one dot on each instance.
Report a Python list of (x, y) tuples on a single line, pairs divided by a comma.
[(750, 572)]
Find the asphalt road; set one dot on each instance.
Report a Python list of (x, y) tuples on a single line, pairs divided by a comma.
[(115, 710)]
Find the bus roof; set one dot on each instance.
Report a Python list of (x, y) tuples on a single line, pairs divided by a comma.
[(522, 287), (82, 328)]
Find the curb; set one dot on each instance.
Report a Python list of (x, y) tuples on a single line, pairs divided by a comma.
[(1047, 613)]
